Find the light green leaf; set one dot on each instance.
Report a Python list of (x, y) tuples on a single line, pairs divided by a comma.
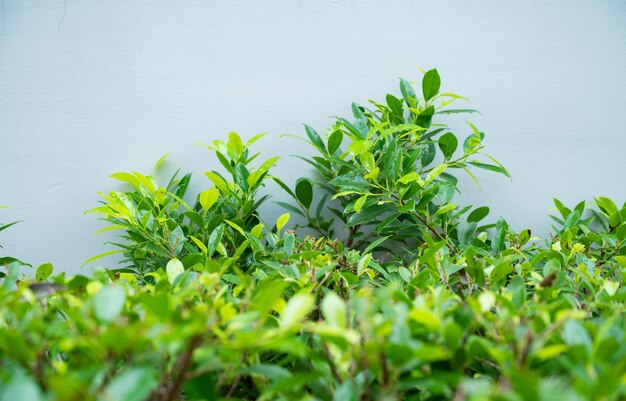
[(209, 197), (411, 177), (296, 309), (20, 387), (610, 287), (434, 173), (235, 145), (43, 272), (445, 209), (281, 221), (133, 384), (109, 303), (102, 255), (358, 147), (174, 268), (358, 205), (334, 310)]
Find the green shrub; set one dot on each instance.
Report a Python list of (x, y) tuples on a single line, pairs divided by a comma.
[(413, 298)]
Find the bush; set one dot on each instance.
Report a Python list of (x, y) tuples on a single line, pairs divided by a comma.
[(401, 294)]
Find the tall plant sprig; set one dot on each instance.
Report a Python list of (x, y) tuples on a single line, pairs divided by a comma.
[(390, 171), (160, 226)]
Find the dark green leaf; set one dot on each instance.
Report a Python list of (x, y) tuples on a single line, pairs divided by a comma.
[(478, 214), (304, 192), (334, 141), (448, 144)]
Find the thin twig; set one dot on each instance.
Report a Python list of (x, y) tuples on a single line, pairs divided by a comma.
[(442, 274), (180, 370), (437, 234), (331, 363)]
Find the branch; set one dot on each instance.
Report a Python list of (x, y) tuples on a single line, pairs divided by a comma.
[(437, 234), (180, 370)]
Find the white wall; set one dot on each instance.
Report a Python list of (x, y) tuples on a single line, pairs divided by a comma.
[(88, 88)]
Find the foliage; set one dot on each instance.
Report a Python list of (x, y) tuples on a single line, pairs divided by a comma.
[(159, 225), (390, 171), (416, 298)]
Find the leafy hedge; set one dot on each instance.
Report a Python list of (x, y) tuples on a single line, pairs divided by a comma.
[(383, 289)]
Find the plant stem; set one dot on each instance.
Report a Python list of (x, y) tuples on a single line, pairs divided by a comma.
[(180, 370)]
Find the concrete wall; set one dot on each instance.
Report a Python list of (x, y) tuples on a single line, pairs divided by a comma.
[(88, 88)]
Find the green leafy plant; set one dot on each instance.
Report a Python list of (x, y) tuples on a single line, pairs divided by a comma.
[(414, 300), (389, 169), (159, 225)]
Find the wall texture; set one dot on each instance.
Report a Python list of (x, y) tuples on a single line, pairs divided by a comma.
[(88, 88)]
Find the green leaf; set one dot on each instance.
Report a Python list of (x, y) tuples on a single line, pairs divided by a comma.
[(43, 272), (478, 214), (109, 303), (395, 105), (208, 198), (334, 310), (281, 221), (255, 138), (428, 154), (315, 139), (358, 147), (445, 209), (304, 192), (405, 274), (434, 173), (374, 244), (574, 334), (363, 263), (368, 215), (215, 239), (610, 287), (490, 167), (133, 384), (350, 182), (346, 391), (572, 219), (465, 232), (411, 177), (219, 182), (20, 387), (272, 372), (358, 205), (430, 84), (241, 176), (334, 141), (448, 144), (174, 268), (298, 307), (607, 205), (101, 255), (502, 227), (408, 93), (235, 145)]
